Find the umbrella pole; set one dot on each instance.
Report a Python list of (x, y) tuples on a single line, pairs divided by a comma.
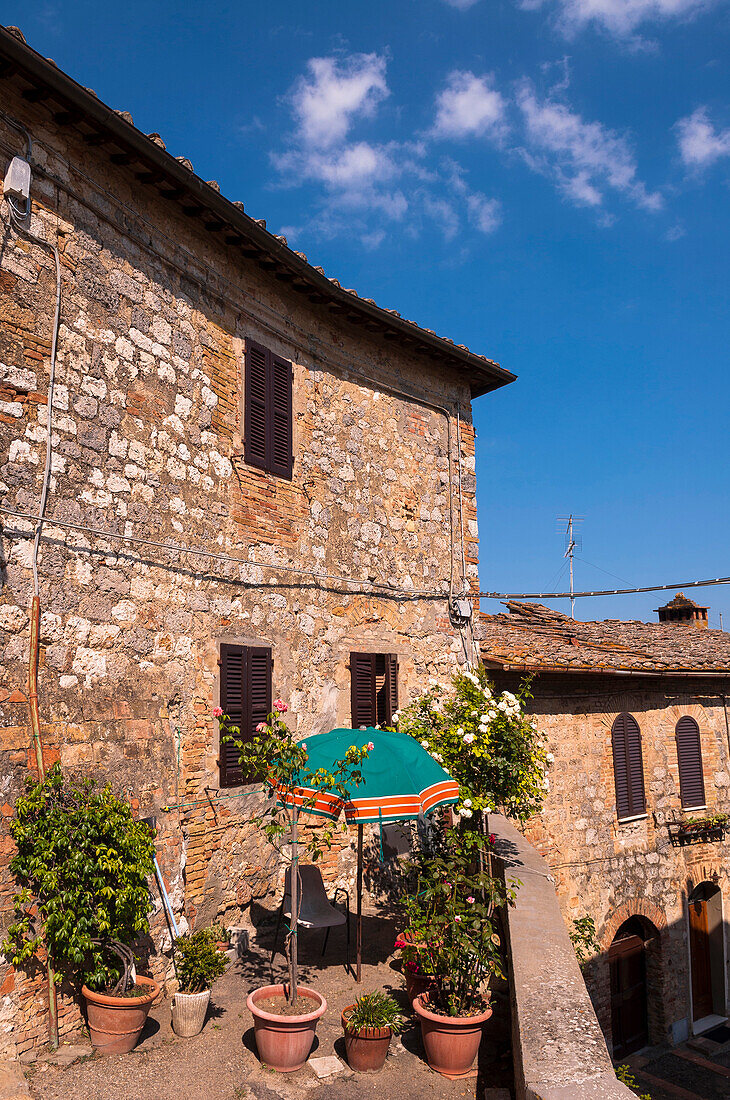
[(358, 972)]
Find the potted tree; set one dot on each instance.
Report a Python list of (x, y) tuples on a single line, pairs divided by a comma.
[(369, 1024), (82, 866), (454, 901), (285, 1015), (198, 962)]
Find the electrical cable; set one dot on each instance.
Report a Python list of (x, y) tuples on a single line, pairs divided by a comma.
[(605, 592)]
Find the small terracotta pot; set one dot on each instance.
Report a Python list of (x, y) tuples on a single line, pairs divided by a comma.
[(115, 1023), (366, 1048), (284, 1042), (416, 983), (451, 1042)]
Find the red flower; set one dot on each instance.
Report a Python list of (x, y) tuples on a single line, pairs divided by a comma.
[(217, 712)]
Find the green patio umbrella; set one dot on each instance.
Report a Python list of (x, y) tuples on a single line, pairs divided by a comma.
[(400, 781)]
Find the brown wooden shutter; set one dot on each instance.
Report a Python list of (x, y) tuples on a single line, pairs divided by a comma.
[(689, 759), (281, 418), (628, 767), (362, 689), (256, 402), (246, 699), (391, 680), (268, 411)]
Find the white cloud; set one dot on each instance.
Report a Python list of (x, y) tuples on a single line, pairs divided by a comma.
[(619, 17), (462, 5), (484, 214), (469, 106), (335, 93), (700, 144), (583, 157)]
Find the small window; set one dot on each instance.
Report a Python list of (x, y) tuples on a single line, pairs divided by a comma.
[(689, 759), (268, 411), (628, 767), (246, 699), (374, 688)]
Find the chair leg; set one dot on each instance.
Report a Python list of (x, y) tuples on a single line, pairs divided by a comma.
[(326, 937), (276, 934)]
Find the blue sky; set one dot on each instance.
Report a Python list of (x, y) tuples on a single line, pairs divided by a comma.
[(543, 180)]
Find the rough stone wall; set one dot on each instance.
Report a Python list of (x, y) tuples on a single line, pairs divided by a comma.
[(611, 870), (147, 444)]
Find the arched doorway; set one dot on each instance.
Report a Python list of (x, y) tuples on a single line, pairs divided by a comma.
[(706, 951), (629, 1000)]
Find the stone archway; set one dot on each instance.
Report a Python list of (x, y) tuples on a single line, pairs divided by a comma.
[(632, 942)]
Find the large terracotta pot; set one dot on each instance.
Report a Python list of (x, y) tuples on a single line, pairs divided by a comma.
[(451, 1042), (115, 1023), (284, 1042), (366, 1048)]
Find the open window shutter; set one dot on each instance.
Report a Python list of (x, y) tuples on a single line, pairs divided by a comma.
[(689, 758), (362, 689), (256, 429), (391, 686), (628, 767), (280, 461), (233, 662)]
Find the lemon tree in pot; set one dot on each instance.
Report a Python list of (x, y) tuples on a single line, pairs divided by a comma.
[(285, 1015), (453, 909), (369, 1024), (198, 962), (82, 865)]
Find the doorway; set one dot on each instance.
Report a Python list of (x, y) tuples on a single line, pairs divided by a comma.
[(629, 1002), (707, 952)]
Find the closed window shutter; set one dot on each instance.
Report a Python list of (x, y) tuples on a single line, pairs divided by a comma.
[(256, 429), (628, 767), (362, 689), (281, 417), (689, 759), (268, 411), (246, 699)]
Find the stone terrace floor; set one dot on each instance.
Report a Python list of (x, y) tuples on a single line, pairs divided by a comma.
[(221, 1063), (696, 1070)]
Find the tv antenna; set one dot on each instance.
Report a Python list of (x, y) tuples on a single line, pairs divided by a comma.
[(573, 542)]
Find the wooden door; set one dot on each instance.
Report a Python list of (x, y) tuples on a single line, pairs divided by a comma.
[(629, 1022), (699, 945)]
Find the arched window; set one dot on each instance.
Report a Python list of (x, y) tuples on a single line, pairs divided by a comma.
[(689, 758), (628, 768)]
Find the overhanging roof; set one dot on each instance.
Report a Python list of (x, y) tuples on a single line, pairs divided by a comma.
[(71, 105)]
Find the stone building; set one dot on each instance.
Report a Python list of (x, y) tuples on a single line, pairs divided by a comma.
[(635, 716), (261, 484)]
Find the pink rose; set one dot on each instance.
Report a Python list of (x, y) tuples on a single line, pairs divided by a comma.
[(217, 712), (304, 745), (457, 918), (470, 900), (281, 706), (370, 746), (261, 727)]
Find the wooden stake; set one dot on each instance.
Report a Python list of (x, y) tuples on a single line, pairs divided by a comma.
[(358, 971), (293, 954)]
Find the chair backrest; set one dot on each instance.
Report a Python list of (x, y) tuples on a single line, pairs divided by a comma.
[(314, 901)]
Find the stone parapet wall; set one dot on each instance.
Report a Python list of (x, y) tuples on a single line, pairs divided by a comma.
[(147, 444)]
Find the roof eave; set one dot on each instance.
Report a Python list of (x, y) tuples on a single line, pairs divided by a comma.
[(484, 374)]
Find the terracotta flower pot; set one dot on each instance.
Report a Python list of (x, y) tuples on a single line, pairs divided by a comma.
[(416, 984), (188, 1012), (366, 1048), (284, 1042), (451, 1042), (115, 1023)]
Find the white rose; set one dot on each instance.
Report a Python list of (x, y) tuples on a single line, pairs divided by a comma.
[(468, 738), (425, 744), (460, 731), (467, 803), (550, 758), (465, 813)]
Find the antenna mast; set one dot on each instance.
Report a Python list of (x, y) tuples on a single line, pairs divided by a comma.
[(572, 543)]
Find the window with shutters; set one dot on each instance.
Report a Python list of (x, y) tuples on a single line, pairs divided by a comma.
[(267, 414), (689, 759), (246, 699), (628, 767), (374, 688)]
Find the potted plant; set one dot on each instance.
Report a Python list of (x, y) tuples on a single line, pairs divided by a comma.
[(82, 865), (220, 935), (454, 902), (414, 962), (369, 1024), (198, 963), (285, 1015)]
